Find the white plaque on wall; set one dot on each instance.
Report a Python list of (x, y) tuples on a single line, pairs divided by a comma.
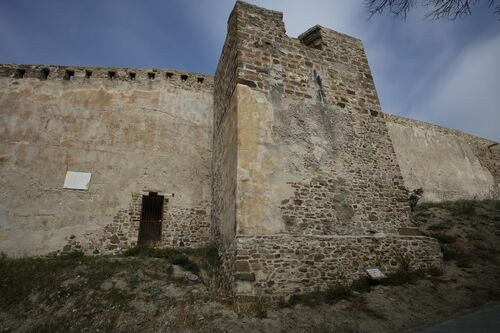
[(375, 273), (77, 180)]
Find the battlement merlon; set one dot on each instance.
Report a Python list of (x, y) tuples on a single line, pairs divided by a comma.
[(272, 20), (320, 37), (261, 18), (88, 74)]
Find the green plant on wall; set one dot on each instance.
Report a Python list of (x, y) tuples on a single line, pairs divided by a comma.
[(415, 196), (494, 192)]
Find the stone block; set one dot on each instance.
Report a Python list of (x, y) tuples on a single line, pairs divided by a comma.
[(245, 276)]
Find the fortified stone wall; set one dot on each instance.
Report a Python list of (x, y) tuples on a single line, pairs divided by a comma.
[(314, 159), (135, 130), (286, 152), (447, 164)]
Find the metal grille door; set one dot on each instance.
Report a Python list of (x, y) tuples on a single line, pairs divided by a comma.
[(151, 218)]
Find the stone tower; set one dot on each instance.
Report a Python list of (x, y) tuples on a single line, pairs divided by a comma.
[(307, 191)]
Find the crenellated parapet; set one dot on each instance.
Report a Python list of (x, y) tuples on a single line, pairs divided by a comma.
[(321, 64), (134, 131), (111, 74)]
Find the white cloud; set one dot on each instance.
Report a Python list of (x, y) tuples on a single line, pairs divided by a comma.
[(298, 15), (468, 97)]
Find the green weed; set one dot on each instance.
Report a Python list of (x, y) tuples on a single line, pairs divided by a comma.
[(173, 256)]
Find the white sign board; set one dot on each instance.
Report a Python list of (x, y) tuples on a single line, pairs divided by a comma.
[(77, 180), (375, 273)]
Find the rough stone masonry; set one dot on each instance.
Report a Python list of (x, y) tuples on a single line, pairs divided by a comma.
[(284, 159)]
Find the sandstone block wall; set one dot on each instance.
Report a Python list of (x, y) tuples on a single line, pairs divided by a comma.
[(287, 265), (447, 164), (134, 135)]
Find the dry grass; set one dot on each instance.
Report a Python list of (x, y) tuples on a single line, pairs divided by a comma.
[(143, 292)]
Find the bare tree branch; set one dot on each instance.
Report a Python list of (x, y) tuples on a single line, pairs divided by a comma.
[(395, 7), (437, 9)]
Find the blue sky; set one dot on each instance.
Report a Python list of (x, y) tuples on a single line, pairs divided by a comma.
[(441, 72)]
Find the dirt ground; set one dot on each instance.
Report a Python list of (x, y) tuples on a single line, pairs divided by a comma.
[(148, 291)]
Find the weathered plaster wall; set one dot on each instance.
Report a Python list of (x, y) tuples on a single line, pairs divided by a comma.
[(446, 164), (134, 136), (262, 175)]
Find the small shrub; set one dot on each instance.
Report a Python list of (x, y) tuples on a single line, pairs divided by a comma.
[(133, 281), (485, 253), (459, 253), (145, 251), (118, 297), (444, 238), (208, 253), (493, 295), (260, 308), (474, 235), (465, 261), (404, 262), (170, 270), (337, 292), (173, 256), (449, 252), (55, 324), (330, 295), (359, 303), (464, 207), (186, 263), (444, 225), (415, 196), (403, 277), (435, 271), (494, 193), (363, 284), (310, 299)]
